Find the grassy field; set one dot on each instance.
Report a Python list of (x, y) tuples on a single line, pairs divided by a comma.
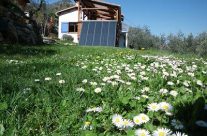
[(62, 90)]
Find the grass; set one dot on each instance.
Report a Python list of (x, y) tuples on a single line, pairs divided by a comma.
[(29, 107)]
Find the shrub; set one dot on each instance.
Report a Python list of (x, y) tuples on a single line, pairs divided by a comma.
[(68, 38)]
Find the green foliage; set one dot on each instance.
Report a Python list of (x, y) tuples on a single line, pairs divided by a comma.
[(141, 38), (177, 43)]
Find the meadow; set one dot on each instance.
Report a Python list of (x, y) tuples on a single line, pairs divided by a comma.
[(68, 90)]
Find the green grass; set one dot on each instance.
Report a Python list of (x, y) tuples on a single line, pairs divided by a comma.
[(50, 108)]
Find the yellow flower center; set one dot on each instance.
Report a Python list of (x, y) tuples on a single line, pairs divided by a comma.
[(165, 107), (87, 123), (142, 134), (125, 123), (144, 118), (161, 134), (137, 121), (117, 120)]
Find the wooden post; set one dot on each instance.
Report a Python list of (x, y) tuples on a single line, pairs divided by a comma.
[(79, 20)]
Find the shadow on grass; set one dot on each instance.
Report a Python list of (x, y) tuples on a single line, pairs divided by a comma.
[(26, 50), (189, 113)]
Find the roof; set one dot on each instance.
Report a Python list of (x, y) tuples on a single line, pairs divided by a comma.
[(106, 3), (66, 10)]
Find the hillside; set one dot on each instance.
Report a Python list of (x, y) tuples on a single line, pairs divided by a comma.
[(71, 90)]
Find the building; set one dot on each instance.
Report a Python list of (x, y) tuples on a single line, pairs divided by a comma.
[(92, 22)]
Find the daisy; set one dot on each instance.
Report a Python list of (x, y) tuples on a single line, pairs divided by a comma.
[(163, 91), (93, 83), (58, 74), (80, 89), (48, 78), (179, 134), (173, 93), (165, 106), (144, 118), (127, 123), (62, 81), (37, 80), (84, 81), (199, 82), (97, 90), (142, 132), (162, 132), (137, 120), (117, 120), (153, 107), (170, 83)]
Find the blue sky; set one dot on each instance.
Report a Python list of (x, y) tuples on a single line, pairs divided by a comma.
[(165, 16)]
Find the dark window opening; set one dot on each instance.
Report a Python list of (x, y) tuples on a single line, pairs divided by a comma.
[(73, 27)]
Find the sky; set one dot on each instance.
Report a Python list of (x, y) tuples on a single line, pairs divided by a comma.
[(165, 16)]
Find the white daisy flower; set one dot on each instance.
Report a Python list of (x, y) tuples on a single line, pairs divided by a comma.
[(117, 120), (165, 106), (137, 120), (199, 82), (163, 91), (145, 89), (179, 134), (170, 83), (173, 93), (97, 90), (84, 81), (153, 107), (145, 96), (37, 80), (144, 118), (142, 132), (95, 109), (62, 81), (93, 83), (48, 78), (162, 132), (58, 74), (80, 89), (127, 123)]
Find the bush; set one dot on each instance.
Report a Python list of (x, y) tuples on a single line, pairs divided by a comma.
[(202, 48), (68, 38)]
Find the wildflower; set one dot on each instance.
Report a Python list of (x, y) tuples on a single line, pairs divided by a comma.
[(173, 93), (62, 81), (48, 78), (127, 123), (199, 82), (162, 132), (170, 83), (144, 118), (153, 107), (84, 67), (177, 124), (137, 120), (163, 91), (186, 83), (84, 81), (97, 90), (58, 74), (95, 109), (87, 124), (145, 89), (80, 89), (37, 80), (165, 106), (128, 83), (145, 96), (142, 132), (179, 134), (117, 120), (93, 83)]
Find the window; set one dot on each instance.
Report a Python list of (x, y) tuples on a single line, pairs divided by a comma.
[(70, 27), (73, 27), (64, 27)]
